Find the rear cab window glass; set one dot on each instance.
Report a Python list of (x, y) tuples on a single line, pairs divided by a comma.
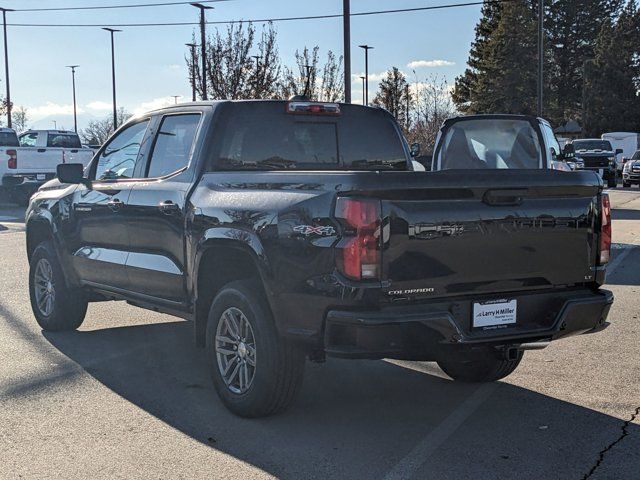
[(63, 140), (9, 139), (490, 143), (263, 136), (118, 159), (174, 141), (29, 139)]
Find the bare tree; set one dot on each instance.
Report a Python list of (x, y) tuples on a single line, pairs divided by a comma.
[(20, 119), (433, 106), (232, 72), (318, 82), (98, 131), (394, 95)]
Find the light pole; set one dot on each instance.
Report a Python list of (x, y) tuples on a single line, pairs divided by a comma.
[(6, 63), (366, 49), (193, 46), (346, 18), (113, 76), (203, 46), (175, 98), (73, 83), (362, 89), (540, 56)]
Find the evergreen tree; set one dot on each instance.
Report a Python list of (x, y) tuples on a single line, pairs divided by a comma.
[(465, 93), (573, 27), (394, 95), (611, 87), (503, 62)]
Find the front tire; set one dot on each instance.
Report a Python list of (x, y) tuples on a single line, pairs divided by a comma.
[(480, 367), (612, 183), (55, 306), (255, 372), (626, 185)]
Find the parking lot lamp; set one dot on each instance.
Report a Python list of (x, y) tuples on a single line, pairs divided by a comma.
[(113, 76), (193, 46), (366, 49), (73, 83), (203, 46)]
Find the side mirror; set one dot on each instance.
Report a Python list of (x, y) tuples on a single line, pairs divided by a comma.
[(624, 160), (568, 151), (415, 149), (70, 173), (554, 154), (619, 151)]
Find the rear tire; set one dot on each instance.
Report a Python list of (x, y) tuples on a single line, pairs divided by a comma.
[(255, 372), (481, 367), (55, 306)]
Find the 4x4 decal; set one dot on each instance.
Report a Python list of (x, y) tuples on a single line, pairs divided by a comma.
[(307, 230)]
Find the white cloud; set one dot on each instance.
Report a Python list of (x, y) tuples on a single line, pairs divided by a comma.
[(99, 105), (51, 108), (373, 77), (430, 63), (175, 67), (153, 105)]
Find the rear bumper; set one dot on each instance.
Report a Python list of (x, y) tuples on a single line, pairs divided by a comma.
[(26, 179), (419, 332)]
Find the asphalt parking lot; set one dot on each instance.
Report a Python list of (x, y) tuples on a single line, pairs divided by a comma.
[(129, 396)]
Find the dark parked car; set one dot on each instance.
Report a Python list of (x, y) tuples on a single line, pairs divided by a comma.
[(286, 230)]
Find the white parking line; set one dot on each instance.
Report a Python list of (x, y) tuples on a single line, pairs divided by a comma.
[(8, 219), (409, 465), (626, 250)]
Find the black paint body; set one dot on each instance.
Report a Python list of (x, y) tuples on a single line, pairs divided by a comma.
[(448, 239)]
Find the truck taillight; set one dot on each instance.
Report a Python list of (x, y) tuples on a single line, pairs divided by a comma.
[(605, 230), (359, 250), (313, 108), (13, 159)]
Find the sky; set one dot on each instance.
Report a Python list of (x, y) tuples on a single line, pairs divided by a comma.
[(150, 61)]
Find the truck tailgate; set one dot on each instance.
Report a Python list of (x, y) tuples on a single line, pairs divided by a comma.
[(38, 159), (458, 232)]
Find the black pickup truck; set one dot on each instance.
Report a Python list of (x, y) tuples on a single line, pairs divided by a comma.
[(294, 230)]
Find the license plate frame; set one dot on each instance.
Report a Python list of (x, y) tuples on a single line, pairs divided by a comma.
[(494, 314)]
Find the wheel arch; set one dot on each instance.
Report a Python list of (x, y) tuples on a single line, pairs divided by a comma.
[(219, 262)]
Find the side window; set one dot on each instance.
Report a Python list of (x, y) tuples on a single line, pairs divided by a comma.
[(172, 149), (28, 140), (551, 141), (118, 159)]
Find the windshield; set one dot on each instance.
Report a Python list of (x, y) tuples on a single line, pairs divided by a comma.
[(592, 145), (490, 143), (262, 136), (636, 156), (8, 139)]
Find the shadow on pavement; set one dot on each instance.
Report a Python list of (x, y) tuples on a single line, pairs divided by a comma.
[(354, 419), (626, 272), (625, 214)]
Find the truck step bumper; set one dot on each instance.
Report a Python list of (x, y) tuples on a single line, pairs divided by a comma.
[(418, 331)]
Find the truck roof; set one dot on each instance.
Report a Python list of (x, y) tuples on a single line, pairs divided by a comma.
[(66, 132), (7, 130)]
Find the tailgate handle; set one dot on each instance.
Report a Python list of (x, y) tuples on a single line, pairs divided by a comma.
[(504, 197), (42, 150)]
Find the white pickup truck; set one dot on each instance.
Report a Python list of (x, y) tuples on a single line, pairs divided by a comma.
[(29, 160)]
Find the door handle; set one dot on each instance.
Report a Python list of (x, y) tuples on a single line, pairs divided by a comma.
[(115, 204), (42, 150), (168, 207)]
